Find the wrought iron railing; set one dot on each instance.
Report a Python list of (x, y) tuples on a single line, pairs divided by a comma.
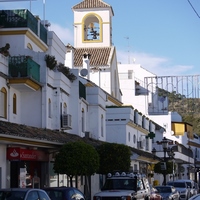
[(22, 19), (24, 66)]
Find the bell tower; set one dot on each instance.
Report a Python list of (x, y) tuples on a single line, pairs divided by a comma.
[(92, 24)]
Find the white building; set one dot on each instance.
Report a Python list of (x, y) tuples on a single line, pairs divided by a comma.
[(40, 107), (93, 41), (140, 89)]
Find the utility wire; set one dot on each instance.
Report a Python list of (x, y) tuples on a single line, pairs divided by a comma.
[(193, 8)]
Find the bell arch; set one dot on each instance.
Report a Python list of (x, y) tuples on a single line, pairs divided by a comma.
[(92, 28)]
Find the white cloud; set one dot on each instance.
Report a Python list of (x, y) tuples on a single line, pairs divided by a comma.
[(65, 34), (158, 65)]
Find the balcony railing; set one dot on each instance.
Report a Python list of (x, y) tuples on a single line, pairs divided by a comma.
[(22, 19), (24, 66)]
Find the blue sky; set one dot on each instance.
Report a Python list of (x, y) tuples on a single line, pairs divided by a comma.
[(164, 36)]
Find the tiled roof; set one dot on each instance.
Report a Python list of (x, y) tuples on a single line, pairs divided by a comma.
[(91, 4), (40, 134), (99, 56), (23, 132)]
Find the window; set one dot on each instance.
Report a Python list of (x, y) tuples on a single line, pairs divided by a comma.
[(33, 195), (129, 136), (83, 121), (14, 104), (49, 108), (65, 108), (3, 103), (135, 167), (134, 139), (43, 196), (102, 119)]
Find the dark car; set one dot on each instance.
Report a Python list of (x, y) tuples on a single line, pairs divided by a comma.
[(195, 197), (168, 192), (64, 193), (23, 194), (155, 195)]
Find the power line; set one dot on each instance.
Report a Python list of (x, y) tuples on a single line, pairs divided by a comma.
[(193, 8)]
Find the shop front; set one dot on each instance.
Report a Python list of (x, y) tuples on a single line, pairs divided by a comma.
[(28, 167)]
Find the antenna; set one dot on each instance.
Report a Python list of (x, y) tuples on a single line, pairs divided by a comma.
[(128, 46)]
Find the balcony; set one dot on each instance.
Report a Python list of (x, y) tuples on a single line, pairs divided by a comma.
[(24, 73), (23, 19)]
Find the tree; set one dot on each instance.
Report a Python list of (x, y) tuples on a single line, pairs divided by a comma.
[(75, 159), (169, 168), (113, 157)]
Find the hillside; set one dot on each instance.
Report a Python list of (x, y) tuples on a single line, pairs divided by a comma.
[(188, 108)]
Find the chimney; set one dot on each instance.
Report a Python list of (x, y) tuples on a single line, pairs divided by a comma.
[(86, 63)]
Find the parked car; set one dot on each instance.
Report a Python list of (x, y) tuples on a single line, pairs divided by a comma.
[(190, 184), (182, 189), (196, 185), (155, 195), (195, 197), (64, 193), (124, 186), (168, 192), (23, 194)]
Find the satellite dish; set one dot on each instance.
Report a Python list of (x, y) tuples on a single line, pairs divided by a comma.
[(84, 72)]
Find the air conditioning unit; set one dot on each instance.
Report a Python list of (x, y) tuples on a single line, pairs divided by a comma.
[(66, 121)]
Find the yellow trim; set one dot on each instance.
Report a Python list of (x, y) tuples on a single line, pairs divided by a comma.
[(27, 142), (4, 91), (88, 84), (14, 103), (25, 81), (137, 127), (116, 102), (146, 159), (194, 144), (30, 35), (77, 23), (100, 28)]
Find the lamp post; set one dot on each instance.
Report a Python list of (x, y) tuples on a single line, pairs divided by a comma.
[(165, 147), (166, 150)]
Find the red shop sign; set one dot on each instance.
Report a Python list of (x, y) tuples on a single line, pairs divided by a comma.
[(26, 154)]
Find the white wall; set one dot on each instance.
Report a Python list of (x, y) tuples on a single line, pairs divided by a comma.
[(97, 113), (56, 47), (105, 14), (5, 181)]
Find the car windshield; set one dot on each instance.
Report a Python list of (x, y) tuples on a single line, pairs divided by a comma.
[(125, 184), (164, 189), (189, 184), (55, 194), (12, 195), (177, 184)]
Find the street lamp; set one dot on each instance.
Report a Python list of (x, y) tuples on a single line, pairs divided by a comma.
[(166, 150)]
